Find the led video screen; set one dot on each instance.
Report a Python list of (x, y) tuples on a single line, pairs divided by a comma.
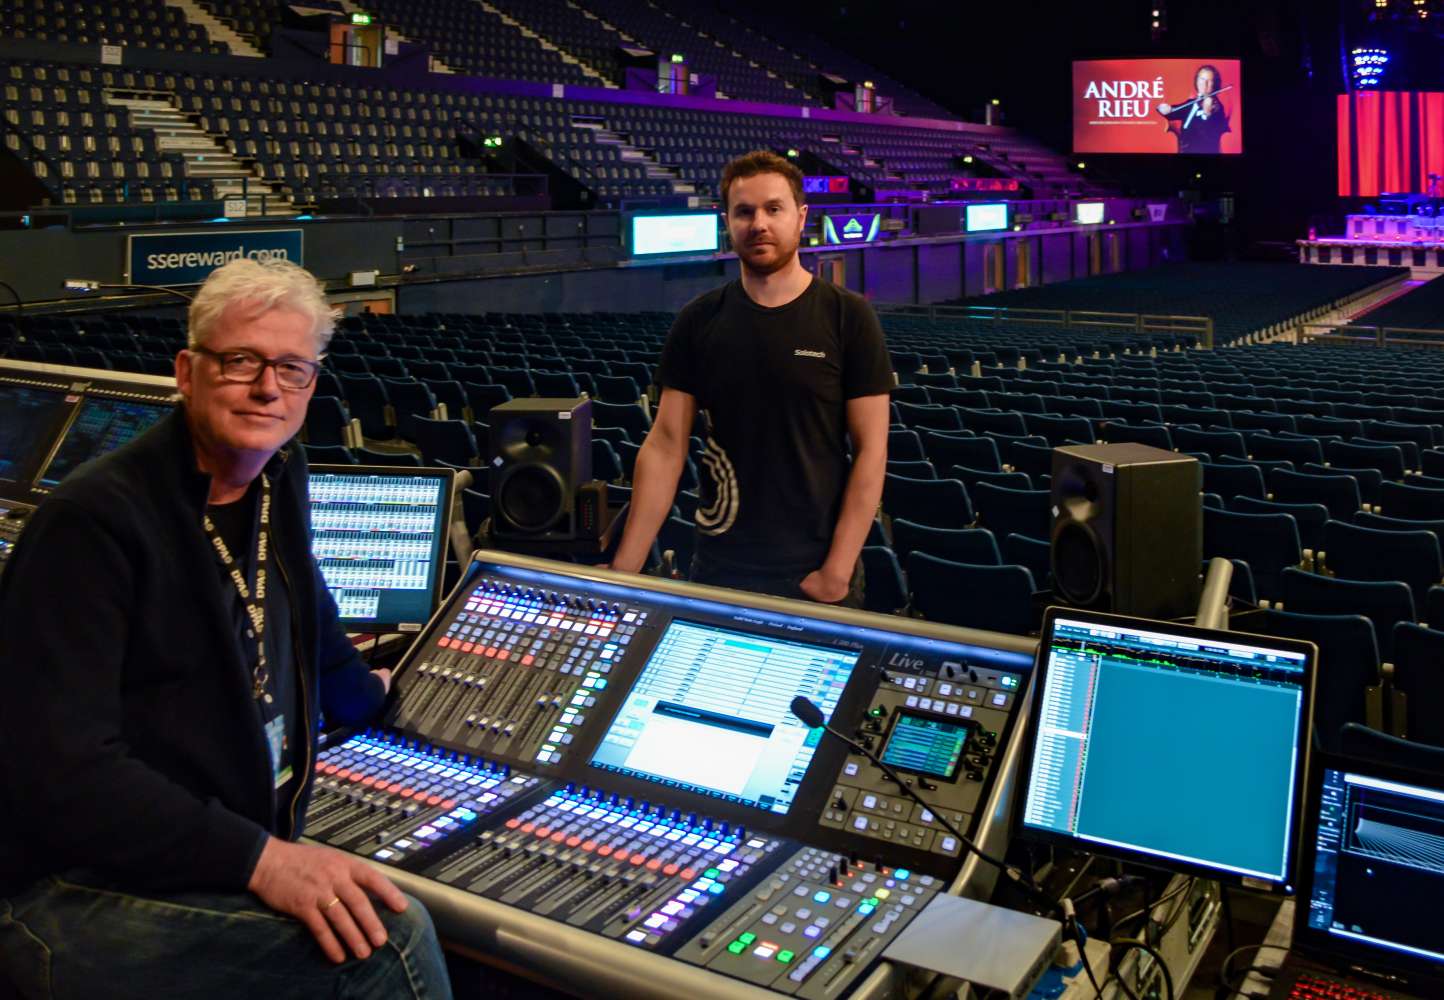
[(1167, 106)]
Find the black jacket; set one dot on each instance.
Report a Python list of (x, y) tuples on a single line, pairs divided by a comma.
[(130, 745)]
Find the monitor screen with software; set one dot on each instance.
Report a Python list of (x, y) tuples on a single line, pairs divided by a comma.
[(1373, 870), (31, 417), (380, 536), (1169, 745)]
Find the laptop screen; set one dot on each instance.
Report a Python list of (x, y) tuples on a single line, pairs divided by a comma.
[(1168, 745), (1378, 866)]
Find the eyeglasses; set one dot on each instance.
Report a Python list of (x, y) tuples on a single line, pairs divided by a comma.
[(246, 367)]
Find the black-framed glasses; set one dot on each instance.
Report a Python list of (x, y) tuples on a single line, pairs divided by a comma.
[(247, 367)]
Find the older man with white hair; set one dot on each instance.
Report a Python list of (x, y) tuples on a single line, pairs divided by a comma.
[(168, 647)]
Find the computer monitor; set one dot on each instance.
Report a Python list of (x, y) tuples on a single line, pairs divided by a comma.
[(380, 536), (1372, 871), (711, 714), (31, 417), (985, 217), (1168, 745), (101, 425)]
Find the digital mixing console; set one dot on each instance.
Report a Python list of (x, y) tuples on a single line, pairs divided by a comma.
[(599, 777)]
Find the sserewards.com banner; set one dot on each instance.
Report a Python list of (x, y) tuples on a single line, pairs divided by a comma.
[(1189, 106), (187, 258)]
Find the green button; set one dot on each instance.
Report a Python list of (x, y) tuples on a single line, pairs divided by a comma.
[(736, 947), (711, 873), (747, 938), (784, 957)]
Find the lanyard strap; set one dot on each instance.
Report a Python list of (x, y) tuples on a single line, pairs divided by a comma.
[(255, 602)]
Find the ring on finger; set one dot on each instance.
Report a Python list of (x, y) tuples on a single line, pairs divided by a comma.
[(334, 901)]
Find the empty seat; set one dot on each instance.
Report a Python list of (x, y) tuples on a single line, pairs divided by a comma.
[(997, 598), (1033, 459), (1371, 481), (1059, 430), (1388, 460), (1008, 512), (628, 416), (409, 399), (328, 423), (942, 418), (606, 465), (993, 422), (1297, 450), (448, 441), (905, 446), (1310, 517), (1419, 679), (475, 509), (1370, 744), (913, 470), (1348, 664), (884, 589), (373, 456), (1230, 481), (976, 452), (968, 477), (1036, 554), (366, 398), (481, 397), (940, 503), (1269, 543), (1413, 502), (1154, 435), (1340, 494), (1383, 602), (969, 545), (1212, 443), (1357, 553)]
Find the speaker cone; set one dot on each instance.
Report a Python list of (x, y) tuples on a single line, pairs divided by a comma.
[(1078, 559), (531, 497)]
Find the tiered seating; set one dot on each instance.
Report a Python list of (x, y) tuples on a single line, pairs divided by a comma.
[(82, 149), (254, 20), (475, 41), (147, 24), (1244, 299)]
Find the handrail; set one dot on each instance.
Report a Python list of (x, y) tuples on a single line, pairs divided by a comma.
[(1372, 336), (1201, 326)]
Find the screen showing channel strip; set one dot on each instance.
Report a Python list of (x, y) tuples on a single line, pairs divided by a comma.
[(380, 541), (1109, 769), (711, 714)]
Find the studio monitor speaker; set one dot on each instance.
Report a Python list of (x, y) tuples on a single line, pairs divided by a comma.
[(1127, 529), (541, 453)]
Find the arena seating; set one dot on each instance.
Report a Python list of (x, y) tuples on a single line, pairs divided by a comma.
[(1421, 309), (967, 397), (150, 24)]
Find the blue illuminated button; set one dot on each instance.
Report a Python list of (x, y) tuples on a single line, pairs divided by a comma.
[(821, 896), (821, 952), (901, 874)]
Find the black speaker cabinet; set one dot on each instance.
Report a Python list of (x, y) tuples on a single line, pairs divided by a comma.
[(1127, 529), (541, 452)]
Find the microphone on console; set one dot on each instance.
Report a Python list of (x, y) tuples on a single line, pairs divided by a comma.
[(811, 716)]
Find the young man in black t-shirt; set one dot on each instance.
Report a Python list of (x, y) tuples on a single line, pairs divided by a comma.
[(786, 370)]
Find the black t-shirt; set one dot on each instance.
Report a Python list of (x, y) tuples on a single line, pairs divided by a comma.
[(236, 523), (774, 385)]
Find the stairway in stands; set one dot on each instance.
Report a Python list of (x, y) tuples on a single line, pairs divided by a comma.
[(547, 43), (218, 30), (632, 155), (205, 157)]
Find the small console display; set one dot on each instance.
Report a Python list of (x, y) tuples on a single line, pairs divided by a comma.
[(921, 744)]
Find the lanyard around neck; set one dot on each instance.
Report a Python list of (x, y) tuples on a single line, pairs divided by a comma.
[(254, 601)]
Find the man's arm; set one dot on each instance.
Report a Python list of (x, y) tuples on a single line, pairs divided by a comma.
[(350, 694), (867, 418), (654, 482)]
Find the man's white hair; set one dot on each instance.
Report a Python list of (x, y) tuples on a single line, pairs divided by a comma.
[(257, 286)]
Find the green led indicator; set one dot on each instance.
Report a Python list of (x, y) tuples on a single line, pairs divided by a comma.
[(784, 957), (747, 938), (736, 947)]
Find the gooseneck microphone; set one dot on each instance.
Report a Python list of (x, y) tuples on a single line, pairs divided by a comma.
[(811, 716)]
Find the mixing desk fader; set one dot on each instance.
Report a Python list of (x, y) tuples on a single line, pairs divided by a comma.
[(517, 670), (389, 798), (599, 777)]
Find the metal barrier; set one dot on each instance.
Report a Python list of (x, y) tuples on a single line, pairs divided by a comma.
[(1199, 326), (1370, 336)]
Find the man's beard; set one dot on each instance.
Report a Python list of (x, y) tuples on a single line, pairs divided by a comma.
[(783, 260)]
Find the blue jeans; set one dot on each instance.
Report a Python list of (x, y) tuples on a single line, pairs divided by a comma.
[(61, 939)]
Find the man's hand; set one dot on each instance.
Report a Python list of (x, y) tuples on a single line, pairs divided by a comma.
[(385, 674), (825, 588), (1164, 107), (325, 890)]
